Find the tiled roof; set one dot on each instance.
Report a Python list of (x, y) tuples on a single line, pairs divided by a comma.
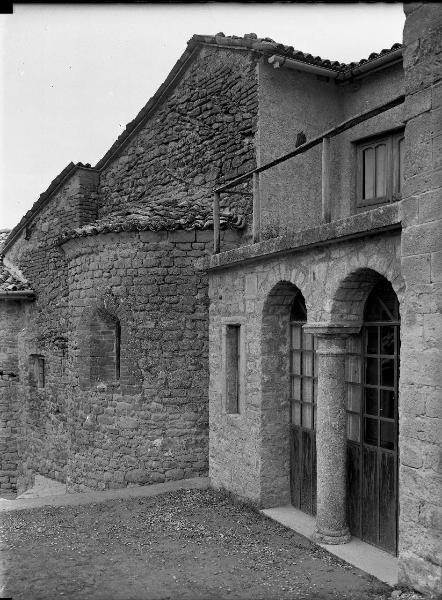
[(159, 217), (8, 281), (63, 176), (269, 46)]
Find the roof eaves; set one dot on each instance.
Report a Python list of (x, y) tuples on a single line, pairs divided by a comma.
[(43, 199)]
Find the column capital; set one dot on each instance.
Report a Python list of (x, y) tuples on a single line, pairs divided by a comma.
[(326, 330)]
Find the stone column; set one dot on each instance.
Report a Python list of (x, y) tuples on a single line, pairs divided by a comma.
[(331, 436)]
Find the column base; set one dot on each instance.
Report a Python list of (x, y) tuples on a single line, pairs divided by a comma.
[(332, 537)]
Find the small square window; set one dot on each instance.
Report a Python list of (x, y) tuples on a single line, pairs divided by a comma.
[(380, 169)]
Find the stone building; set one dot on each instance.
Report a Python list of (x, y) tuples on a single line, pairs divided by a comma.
[(298, 362)]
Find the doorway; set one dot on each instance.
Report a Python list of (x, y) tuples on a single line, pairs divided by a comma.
[(372, 375), (303, 389)]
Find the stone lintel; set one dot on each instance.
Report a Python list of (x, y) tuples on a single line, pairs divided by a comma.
[(333, 329)]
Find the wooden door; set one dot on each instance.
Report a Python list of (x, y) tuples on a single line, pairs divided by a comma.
[(372, 423), (303, 411)]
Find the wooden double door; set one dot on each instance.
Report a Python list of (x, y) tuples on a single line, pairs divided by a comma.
[(372, 376)]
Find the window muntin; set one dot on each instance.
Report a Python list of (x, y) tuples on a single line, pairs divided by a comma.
[(303, 375), (380, 164)]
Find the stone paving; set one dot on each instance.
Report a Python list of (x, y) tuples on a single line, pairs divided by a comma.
[(186, 544)]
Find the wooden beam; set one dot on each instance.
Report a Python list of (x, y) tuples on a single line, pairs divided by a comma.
[(326, 206), (360, 118), (216, 224)]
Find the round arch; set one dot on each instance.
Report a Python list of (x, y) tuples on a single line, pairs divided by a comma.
[(275, 408)]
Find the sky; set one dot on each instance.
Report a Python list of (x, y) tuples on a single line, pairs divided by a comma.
[(72, 76)]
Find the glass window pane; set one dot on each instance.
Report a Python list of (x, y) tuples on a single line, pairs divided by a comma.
[(307, 416), (387, 340), (381, 164), (314, 417), (307, 363), (296, 413), (307, 390), (353, 431), (387, 404), (371, 340), (296, 336), (387, 372), (296, 388), (308, 341), (368, 173), (371, 401), (353, 397), (371, 431), (353, 364), (296, 362), (387, 435), (371, 371)]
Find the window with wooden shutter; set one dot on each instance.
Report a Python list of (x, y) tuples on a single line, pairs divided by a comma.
[(380, 169)]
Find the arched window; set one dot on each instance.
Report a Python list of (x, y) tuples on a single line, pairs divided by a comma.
[(303, 387), (372, 420)]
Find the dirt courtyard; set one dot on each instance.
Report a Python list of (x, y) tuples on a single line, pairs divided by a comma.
[(184, 545)]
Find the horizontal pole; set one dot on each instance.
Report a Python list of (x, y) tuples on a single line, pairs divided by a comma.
[(316, 141)]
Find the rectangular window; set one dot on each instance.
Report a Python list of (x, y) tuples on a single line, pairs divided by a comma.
[(380, 169), (37, 374), (232, 373)]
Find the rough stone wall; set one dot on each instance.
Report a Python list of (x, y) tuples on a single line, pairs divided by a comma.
[(11, 318), (43, 440), (151, 424), (202, 135), (249, 451), (421, 375)]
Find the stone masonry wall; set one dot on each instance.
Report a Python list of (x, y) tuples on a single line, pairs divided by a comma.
[(420, 563), (203, 134), (43, 331), (151, 425), (249, 451), (11, 318)]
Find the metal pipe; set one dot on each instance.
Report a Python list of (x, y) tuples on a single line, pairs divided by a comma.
[(279, 61)]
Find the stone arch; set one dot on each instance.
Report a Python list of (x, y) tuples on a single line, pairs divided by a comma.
[(349, 297), (275, 409)]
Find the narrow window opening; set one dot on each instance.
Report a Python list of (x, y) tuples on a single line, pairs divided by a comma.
[(37, 371), (233, 337)]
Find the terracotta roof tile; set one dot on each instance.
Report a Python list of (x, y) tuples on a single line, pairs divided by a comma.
[(158, 218)]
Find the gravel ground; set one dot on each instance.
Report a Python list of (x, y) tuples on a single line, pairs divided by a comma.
[(185, 545)]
